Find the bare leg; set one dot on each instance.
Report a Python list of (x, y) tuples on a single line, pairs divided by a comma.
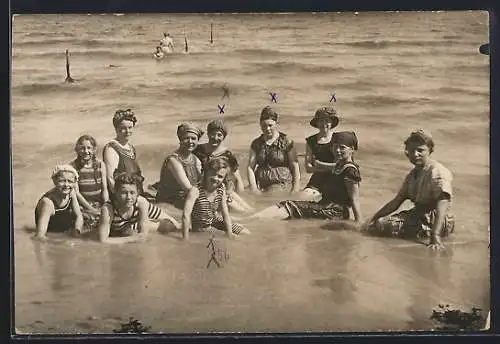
[(309, 194), (239, 204), (272, 212)]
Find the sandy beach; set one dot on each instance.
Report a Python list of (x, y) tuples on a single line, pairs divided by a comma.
[(391, 73)]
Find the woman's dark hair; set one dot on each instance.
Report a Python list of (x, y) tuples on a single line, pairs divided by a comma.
[(214, 165), (125, 178), (124, 115), (79, 163), (268, 113), (420, 137)]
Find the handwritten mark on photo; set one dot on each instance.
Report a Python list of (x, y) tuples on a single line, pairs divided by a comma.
[(217, 255), (333, 98), (274, 97), (221, 108)]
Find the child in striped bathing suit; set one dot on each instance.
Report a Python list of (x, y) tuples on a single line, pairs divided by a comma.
[(92, 189), (206, 206), (128, 217)]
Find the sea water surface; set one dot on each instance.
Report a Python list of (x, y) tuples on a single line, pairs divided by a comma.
[(390, 72)]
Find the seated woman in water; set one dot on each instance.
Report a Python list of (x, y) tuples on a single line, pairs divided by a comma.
[(206, 206), (319, 158), (91, 189), (119, 155), (127, 216), (158, 54), (428, 186), (340, 190), (58, 209), (181, 170), (217, 132), (272, 158)]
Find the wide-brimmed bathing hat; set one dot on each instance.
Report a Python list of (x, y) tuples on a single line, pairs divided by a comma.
[(326, 112), (217, 124), (188, 128), (347, 138)]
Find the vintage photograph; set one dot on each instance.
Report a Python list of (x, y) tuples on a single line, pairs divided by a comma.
[(267, 172)]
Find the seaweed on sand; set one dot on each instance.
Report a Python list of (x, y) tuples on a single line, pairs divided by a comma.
[(133, 326), (457, 320)]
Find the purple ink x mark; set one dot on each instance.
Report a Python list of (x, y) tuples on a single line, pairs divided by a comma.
[(273, 96), (221, 108), (333, 98)]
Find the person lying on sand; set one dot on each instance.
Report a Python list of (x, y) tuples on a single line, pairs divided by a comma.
[(206, 205), (217, 132), (58, 209), (127, 216), (428, 186), (92, 188), (340, 190), (319, 158)]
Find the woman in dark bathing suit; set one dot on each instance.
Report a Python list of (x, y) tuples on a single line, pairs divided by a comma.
[(119, 155)]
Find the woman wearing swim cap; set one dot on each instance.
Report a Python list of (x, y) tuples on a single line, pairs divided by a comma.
[(272, 158), (428, 186), (58, 209), (181, 170)]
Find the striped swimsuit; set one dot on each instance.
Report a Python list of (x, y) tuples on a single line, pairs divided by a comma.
[(205, 215), (90, 181), (121, 226)]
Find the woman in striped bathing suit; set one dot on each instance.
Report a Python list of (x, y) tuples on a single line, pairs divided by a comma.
[(206, 206), (128, 216), (92, 189)]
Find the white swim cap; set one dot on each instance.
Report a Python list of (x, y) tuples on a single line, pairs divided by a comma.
[(64, 168)]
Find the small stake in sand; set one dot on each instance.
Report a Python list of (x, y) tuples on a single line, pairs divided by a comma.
[(69, 79), (211, 33)]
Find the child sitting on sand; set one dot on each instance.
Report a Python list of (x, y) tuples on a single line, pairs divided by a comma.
[(341, 189), (92, 188), (127, 216), (217, 132), (58, 209), (206, 206), (428, 186)]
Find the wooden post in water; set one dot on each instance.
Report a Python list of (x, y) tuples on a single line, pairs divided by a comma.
[(211, 33), (69, 79)]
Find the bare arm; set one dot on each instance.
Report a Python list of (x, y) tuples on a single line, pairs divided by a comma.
[(353, 192), (441, 211), (76, 210), (104, 191), (179, 174), (294, 167), (45, 209), (252, 163), (389, 207), (238, 181), (104, 228), (188, 209), (225, 215), (142, 205), (312, 165), (111, 160)]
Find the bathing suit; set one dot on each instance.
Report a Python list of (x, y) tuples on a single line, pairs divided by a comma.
[(63, 218)]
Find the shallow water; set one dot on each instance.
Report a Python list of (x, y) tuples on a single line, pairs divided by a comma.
[(391, 72)]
